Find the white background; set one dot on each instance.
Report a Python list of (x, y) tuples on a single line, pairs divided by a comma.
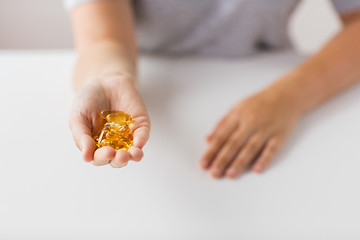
[(47, 192), (45, 24)]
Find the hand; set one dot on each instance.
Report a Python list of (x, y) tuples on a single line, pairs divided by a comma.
[(113, 93), (252, 132)]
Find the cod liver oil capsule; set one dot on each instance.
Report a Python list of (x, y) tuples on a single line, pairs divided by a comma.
[(116, 117), (116, 131)]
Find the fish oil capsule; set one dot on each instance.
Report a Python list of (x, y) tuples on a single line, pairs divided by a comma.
[(125, 140), (119, 118), (112, 136), (116, 131), (116, 116), (104, 113), (122, 129), (114, 144)]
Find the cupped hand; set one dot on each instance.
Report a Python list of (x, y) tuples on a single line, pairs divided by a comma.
[(250, 134), (111, 93)]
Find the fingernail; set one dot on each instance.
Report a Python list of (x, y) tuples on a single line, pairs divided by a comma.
[(216, 172), (232, 172), (258, 168), (123, 164)]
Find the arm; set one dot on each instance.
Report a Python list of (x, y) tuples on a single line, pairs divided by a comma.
[(104, 40), (256, 128), (334, 68), (105, 78)]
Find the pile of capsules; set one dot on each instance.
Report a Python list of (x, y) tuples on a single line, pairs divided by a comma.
[(116, 131)]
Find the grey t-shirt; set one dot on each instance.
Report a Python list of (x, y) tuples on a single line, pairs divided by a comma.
[(214, 27)]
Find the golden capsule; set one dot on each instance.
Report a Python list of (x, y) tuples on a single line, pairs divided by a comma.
[(112, 136), (116, 116), (119, 118), (104, 142), (104, 113), (120, 128), (122, 145), (107, 127), (130, 136), (116, 131), (125, 140), (107, 142), (114, 144)]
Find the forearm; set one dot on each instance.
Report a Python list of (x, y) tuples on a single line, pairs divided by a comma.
[(333, 69), (103, 59), (105, 41)]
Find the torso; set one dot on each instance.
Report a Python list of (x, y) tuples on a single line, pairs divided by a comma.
[(212, 27)]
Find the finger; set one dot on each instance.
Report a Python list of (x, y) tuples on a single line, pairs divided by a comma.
[(228, 152), (209, 137), (89, 148), (121, 159), (141, 136), (103, 156), (82, 136), (251, 148), (272, 147), (136, 154), (217, 129), (217, 142)]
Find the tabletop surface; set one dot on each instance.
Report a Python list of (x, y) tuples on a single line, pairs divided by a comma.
[(311, 191)]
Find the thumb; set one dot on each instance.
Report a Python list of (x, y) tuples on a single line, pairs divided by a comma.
[(82, 136)]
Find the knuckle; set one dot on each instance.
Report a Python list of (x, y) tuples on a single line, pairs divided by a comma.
[(208, 154), (219, 138), (218, 160), (252, 146), (272, 150), (211, 150), (232, 143), (251, 119), (239, 159), (239, 164), (266, 159), (221, 162), (273, 146)]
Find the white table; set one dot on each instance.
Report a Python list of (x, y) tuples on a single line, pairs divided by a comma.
[(47, 192)]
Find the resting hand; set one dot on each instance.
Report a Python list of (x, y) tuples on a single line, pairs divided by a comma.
[(252, 132)]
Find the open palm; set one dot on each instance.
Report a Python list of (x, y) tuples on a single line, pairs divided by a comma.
[(115, 93)]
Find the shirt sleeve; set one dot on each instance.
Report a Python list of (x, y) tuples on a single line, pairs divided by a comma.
[(343, 6), (70, 4)]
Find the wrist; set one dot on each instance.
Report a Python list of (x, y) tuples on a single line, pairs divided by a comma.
[(289, 89), (82, 78), (101, 61), (116, 80)]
